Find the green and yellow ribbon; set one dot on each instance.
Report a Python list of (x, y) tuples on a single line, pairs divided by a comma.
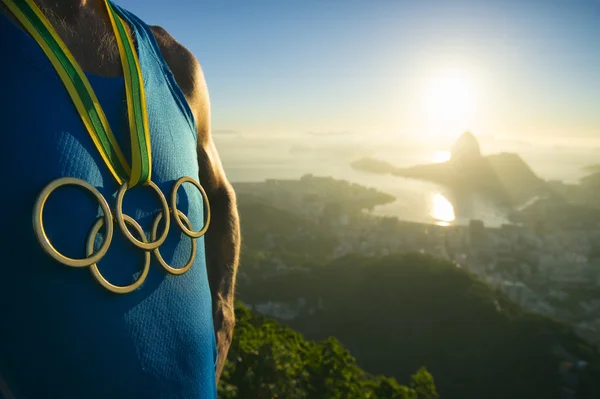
[(84, 98)]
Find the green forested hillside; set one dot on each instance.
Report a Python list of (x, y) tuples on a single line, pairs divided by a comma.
[(268, 360), (398, 313)]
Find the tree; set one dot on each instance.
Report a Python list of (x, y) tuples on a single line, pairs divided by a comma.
[(388, 388), (269, 360), (423, 384)]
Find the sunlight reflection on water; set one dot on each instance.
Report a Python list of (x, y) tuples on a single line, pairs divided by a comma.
[(442, 210)]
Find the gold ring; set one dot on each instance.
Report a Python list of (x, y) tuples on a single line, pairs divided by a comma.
[(94, 267), (188, 232), (38, 224), (159, 258), (147, 246)]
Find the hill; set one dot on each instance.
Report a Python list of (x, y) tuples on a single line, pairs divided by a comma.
[(576, 214), (301, 196), (505, 177), (580, 200), (595, 168), (268, 360), (399, 312)]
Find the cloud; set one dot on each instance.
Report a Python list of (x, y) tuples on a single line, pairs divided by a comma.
[(331, 133), (225, 131)]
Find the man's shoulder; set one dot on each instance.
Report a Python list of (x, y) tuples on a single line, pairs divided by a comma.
[(186, 69), (181, 61)]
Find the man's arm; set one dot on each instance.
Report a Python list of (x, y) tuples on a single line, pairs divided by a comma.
[(222, 239)]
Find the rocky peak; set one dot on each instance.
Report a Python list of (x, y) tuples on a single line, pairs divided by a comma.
[(466, 148)]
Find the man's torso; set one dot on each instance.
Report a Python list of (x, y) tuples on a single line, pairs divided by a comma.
[(62, 333)]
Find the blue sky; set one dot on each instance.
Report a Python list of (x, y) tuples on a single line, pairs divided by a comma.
[(289, 67)]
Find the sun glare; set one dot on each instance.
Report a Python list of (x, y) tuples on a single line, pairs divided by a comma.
[(449, 101)]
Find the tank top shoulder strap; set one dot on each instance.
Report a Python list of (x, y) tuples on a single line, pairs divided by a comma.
[(147, 42)]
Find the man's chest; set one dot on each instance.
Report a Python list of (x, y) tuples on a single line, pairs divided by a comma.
[(93, 45), (46, 136)]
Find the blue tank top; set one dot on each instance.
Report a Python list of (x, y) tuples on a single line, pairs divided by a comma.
[(62, 335)]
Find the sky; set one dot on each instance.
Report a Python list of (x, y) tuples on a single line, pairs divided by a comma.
[(394, 70)]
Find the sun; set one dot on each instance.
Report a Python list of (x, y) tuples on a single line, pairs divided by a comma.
[(450, 101)]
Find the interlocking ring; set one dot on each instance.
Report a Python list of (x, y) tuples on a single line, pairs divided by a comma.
[(159, 258), (147, 246), (188, 231), (122, 219), (94, 267), (38, 224)]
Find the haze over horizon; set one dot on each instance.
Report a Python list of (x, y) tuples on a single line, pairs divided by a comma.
[(396, 70)]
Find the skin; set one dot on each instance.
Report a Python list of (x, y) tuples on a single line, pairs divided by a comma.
[(85, 28)]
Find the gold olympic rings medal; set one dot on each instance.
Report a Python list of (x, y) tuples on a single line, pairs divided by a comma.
[(147, 246), (122, 219), (38, 224), (188, 232), (159, 258), (94, 267)]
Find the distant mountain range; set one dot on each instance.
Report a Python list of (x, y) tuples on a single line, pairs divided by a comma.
[(504, 177)]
